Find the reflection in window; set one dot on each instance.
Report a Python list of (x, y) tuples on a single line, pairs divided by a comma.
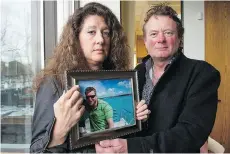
[(19, 63)]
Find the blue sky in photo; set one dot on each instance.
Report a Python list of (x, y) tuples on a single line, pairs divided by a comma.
[(107, 87)]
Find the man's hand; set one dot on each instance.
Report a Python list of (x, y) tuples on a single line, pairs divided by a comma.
[(204, 148), (110, 123), (112, 146), (142, 111)]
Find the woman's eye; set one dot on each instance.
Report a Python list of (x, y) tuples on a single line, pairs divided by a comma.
[(106, 33), (91, 32)]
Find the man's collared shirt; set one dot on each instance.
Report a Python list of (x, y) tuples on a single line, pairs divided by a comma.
[(98, 117)]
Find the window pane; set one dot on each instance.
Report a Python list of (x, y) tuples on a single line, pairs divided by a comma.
[(20, 60)]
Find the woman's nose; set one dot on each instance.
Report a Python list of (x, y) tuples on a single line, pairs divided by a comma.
[(99, 38)]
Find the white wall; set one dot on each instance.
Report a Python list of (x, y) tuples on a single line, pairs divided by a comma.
[(194, 36), (65, 9), (114, 5)]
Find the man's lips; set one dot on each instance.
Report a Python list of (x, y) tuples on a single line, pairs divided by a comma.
[(162, 48)]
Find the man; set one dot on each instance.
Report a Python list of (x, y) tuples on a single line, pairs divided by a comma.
[(100, 112), (180, 92)]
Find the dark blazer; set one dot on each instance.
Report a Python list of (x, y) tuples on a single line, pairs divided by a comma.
[(183, 108)]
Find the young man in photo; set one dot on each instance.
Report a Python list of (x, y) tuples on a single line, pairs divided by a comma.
[(100, 112)]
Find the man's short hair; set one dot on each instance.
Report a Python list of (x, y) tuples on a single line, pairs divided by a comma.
[(164, 10), (89, 89)]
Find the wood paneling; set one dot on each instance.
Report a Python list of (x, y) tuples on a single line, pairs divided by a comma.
[(140, 47), (217, 53)]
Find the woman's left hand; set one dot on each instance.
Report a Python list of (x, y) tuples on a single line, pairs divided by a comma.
[(142, 111)]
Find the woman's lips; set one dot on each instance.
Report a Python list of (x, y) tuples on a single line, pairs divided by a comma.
[(99, 50)]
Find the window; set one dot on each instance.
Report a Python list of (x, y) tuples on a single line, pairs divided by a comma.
[(29, 33), (21, 59)]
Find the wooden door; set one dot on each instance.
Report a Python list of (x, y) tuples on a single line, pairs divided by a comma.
[(217, 53)]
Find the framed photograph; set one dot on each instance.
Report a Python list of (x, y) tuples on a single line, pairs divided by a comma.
[(110, 99)]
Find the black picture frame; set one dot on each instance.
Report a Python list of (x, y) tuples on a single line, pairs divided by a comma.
[(122, 95)]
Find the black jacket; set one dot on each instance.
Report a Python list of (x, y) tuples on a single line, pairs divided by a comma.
[(183, 108)]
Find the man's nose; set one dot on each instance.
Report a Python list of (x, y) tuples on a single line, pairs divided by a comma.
[(90, 98), (99, 38), (161, 38)]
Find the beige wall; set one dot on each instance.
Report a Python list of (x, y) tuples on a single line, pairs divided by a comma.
[(128, 23)]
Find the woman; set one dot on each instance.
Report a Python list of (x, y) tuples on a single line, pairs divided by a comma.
[(92, 39)]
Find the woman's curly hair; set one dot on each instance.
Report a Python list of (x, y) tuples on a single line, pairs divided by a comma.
[(68, 54)]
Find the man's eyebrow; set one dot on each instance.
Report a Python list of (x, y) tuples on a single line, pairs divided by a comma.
[(153, 31), (169, 29)]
